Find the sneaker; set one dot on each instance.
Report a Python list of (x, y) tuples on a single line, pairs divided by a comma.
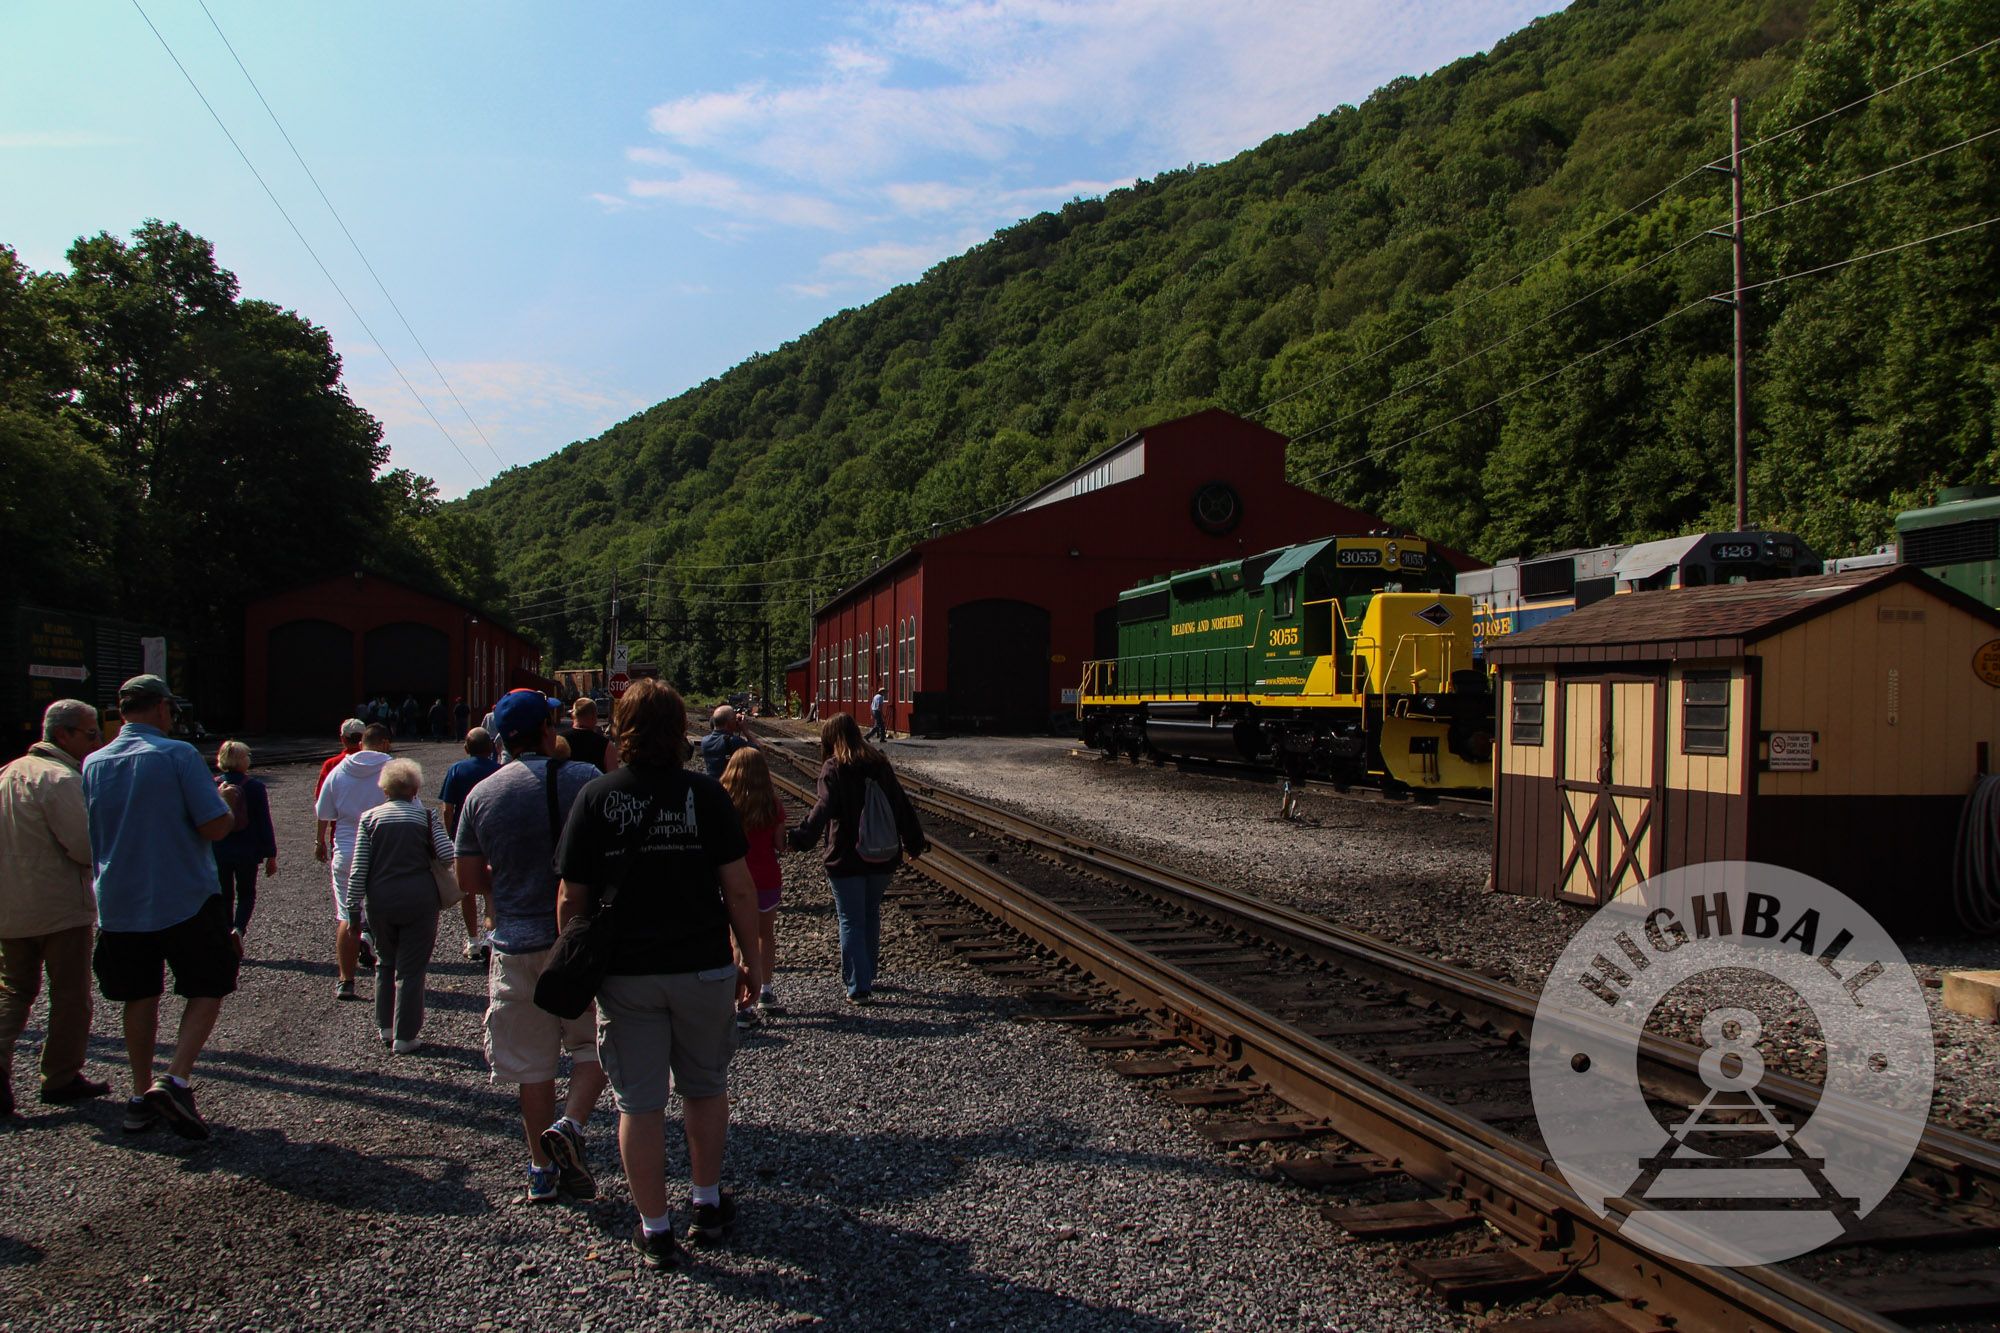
[(176, 1106), (78, 1089), (861, 997), (542, 1184), (657, 1249), (386, 1034), (344, 990), (711, 1222), (140, 1115), (410, 1047), (767, 1000), (746, 1018), (565, 1148), (367, 951)]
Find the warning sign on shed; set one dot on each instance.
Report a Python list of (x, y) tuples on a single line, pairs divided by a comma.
[(1791, 752)]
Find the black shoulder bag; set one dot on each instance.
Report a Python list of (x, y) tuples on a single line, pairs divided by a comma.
[(583, 953)]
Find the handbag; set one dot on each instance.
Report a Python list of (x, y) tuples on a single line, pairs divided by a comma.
[(442, 872), (582, 955)]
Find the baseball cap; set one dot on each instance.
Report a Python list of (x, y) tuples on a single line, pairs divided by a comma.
[(353, 727), (144, 687), (522, 712)]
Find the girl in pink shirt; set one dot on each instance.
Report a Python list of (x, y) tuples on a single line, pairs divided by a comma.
[(748, 781)]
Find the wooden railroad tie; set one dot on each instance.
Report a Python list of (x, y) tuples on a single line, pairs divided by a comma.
[(1401, 1221), (1589, 1319), (1933, 1295), (1329, 1170), (1233, 1133)]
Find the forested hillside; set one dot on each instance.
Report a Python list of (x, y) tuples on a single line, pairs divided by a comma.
[(1475, 301)]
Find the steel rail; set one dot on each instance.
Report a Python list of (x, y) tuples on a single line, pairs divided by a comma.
[(1971, 1165), (1502, 1180)]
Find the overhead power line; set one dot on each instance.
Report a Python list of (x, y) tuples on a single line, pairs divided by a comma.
[(324, 271), (342, 223), (1481, 295), (1638, 332)]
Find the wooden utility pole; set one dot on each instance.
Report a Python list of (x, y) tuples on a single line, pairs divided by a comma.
[(1735, 301), (611, 648)]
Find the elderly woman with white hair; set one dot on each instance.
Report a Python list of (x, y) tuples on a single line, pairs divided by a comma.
[(391, 885), (253, 842)]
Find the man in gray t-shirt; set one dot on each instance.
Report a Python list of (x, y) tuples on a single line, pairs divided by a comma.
[(505, 848)]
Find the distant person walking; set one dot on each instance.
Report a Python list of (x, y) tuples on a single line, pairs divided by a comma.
[(238, 855), (670, 843), (439, 719), (461, 716), (154, 811), (459, 780), (349, 793), (849, 769), (46, 906), (878, 709), (725, 737), (412, 713), (507, 834), (755, 796), (390, 885), (586, 742)]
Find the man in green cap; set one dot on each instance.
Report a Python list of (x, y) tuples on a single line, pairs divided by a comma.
[(154, 811)]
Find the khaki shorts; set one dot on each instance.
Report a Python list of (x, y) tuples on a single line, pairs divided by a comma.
[(667, 1034), (523, 1042)]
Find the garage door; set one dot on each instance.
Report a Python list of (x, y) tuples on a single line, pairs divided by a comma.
[(310, 681), (998, 666)]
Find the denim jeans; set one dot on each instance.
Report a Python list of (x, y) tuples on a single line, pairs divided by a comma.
[(239, 893), (858, 900)]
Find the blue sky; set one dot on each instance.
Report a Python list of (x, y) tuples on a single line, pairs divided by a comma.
[(584, 209)]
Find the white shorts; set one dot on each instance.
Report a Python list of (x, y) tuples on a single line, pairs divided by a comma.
[(340, 862)]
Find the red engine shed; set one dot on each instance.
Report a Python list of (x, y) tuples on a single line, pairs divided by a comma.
[(988, 628), (312, 653)]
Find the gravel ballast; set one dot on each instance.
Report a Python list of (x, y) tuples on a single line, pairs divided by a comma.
[(1411, 874), (925, 1163)]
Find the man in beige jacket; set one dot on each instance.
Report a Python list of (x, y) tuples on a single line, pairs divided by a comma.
[(47, 910)]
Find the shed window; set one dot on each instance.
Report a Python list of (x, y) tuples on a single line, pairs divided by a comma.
[(1524, 719), (1705, 713)]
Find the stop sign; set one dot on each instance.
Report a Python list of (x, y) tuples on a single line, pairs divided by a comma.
[(619, 682)]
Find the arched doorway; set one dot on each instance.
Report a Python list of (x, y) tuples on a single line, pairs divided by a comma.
[(405, 658), (309, 680), (997, 663)]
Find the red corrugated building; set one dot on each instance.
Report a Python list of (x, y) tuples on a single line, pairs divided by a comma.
[(312, 653), (988, 628)]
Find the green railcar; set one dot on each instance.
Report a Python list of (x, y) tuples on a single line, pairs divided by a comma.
[(1345, 657), (1957, 540)]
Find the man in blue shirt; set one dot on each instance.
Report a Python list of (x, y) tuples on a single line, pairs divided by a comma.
[(459, 780), (725, 737), (506, 843), (154, 811)]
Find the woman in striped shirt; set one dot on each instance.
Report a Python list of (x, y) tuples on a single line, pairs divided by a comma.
[(390, 883)]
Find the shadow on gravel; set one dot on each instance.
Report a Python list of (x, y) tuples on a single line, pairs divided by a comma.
[(14, 1253), (811, 1252)]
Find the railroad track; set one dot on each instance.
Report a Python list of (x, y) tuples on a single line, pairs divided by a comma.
[(1252, 773), (1420, 1069)]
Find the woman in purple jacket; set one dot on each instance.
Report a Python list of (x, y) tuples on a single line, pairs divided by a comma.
[(850, 763)]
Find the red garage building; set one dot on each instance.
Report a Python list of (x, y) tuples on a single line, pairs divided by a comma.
[(312, 653), (988, 628)]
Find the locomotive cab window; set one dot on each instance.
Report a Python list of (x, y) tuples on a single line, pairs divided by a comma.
[(1705, 713), (1525, 715), (1285, 598)]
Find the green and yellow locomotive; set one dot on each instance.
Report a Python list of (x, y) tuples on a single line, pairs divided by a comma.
[(1346, 658)]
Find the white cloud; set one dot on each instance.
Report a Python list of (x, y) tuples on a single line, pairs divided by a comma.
[(727, 194)]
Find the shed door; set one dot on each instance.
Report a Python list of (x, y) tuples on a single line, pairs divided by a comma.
[(1613, 775)]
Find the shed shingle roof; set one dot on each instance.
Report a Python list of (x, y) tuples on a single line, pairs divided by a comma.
[(1722, 618)]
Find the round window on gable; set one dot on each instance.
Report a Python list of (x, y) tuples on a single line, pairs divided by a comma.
[(1217, 508)]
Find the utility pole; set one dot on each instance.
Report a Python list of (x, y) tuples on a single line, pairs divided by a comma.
[(611, 648), (1735, 302)]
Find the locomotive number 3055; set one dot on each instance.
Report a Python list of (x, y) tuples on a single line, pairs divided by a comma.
[(1281, 638)]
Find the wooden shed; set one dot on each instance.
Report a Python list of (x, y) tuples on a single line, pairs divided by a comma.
[(1834, 724)]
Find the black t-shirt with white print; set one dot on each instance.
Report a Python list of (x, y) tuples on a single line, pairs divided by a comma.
[(660, 834)]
